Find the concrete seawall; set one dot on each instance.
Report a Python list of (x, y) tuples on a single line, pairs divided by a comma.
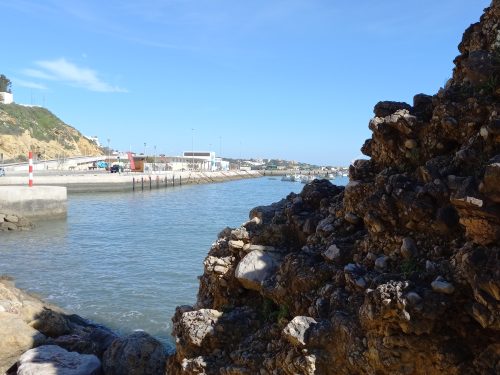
[(35, 202), (101, 182)]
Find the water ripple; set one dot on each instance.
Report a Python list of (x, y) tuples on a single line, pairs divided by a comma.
[(127, 260)]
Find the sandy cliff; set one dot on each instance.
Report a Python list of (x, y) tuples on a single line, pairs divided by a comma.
[(398, 273)]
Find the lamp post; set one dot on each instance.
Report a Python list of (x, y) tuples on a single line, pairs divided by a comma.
[(192, 148), (154, 160), (109, 157)]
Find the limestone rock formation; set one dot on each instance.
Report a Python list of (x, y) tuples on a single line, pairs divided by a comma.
[(398, 273), (135, 354), (26, 323), (54, 360)]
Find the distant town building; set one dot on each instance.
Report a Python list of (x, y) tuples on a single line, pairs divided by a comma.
[(202, 160), (6, 98)]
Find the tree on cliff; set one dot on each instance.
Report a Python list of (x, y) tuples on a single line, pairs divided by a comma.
[(5, 84)]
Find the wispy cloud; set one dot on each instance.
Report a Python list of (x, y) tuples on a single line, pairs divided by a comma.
[(35, 73), (69, 73), (29, 84)]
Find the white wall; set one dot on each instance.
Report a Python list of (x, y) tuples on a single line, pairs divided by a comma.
[(6, 98)]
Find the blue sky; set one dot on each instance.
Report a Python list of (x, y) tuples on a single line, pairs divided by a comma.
[(290, 79)]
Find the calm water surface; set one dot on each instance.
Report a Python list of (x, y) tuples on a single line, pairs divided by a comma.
[(126, 260)]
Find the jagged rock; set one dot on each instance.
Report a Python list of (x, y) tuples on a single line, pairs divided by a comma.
[(408, 248), (387, 108), (196, 326), (236, 244), (137, 353), (16, 337), (440, 285), (297, 329), (256, 267), (332, 253), (431, 180), (352, 218), (50, 323), (53, 360), (491, 183), (381, 263), (11, 218)]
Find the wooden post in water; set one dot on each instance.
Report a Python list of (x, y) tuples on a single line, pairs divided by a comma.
[(142, 183), (173, 179), (149, 182), (157, 182), (180, 180), (133, 183)]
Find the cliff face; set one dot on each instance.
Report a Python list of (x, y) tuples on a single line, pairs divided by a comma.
[(34, 128), (398, 273)]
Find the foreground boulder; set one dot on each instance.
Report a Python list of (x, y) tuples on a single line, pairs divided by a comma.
[(398, 273), (16, 337), (54, 360), (135, 354), (26, 322)]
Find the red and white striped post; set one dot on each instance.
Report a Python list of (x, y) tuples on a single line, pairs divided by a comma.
[(30, 157)]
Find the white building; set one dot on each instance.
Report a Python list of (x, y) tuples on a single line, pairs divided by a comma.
[(6, 98), (94, 139)]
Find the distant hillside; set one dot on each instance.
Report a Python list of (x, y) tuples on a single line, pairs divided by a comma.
[(23, 128)]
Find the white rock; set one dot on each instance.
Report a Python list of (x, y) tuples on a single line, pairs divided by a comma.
[(256, 267), (440, 285), (236, 244), (16, 337), (332, 253), (296, 330), (11, 218), (195, 326), (54, 360)]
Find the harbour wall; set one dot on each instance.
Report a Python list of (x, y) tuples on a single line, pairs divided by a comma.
[(102, 182), (34, 202)]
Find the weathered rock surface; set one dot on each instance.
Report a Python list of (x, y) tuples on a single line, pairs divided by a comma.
[(398, 273), (27, 322), (255, 268), (14, 223), (138, 353), (16, 337), (54, 360)]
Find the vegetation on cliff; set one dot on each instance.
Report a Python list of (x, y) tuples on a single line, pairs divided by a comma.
[(398, 273), (24, 128)]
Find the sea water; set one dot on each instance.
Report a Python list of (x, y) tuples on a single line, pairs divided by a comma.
[(126, 260)]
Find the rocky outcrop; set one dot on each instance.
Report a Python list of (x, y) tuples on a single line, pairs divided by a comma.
[(38, 338), (10, 222), (398, 273)]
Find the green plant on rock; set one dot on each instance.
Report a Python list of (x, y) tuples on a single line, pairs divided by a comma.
[(273, 313), (408, 267)]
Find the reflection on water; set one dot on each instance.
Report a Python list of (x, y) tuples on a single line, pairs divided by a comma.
[(126, 260)]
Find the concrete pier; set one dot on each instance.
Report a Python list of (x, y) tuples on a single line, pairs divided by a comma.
[(128, 181), (37, 202)]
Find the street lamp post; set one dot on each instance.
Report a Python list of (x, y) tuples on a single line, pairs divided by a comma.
[(154, 160), (109, 157), (192, 149)]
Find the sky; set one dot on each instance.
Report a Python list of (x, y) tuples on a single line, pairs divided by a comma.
[(286, 79)]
